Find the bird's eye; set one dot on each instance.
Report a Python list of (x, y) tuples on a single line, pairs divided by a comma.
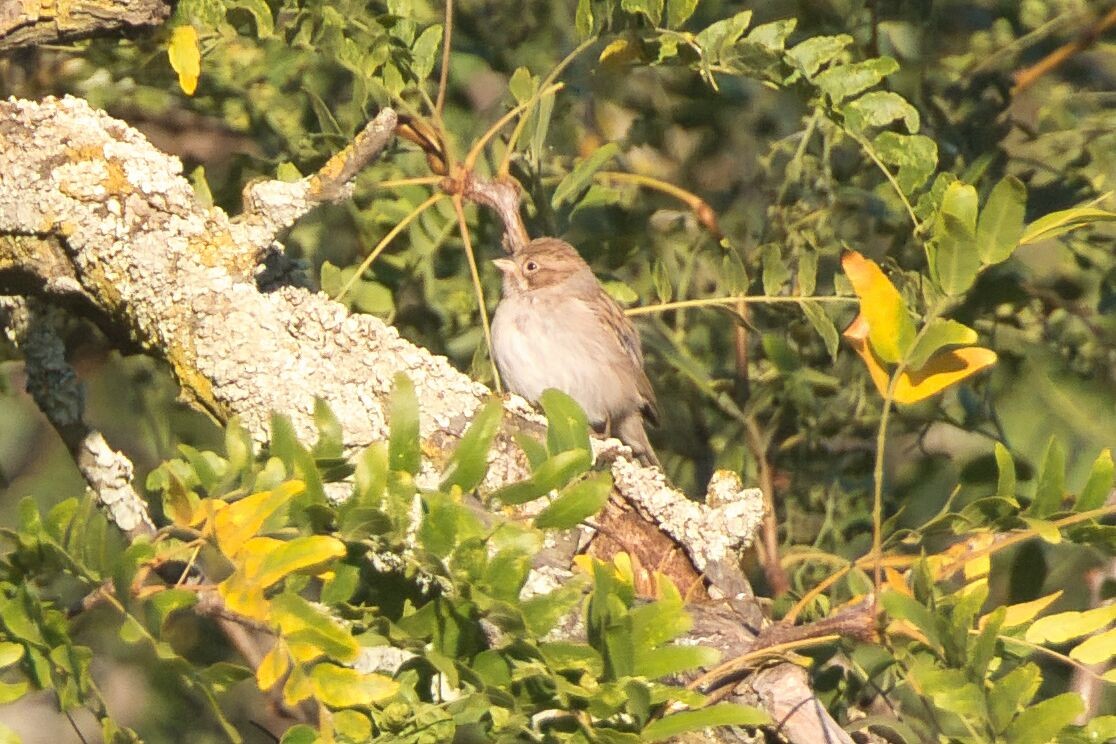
[(531, 266)]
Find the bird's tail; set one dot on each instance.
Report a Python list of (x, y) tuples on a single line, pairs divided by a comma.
[(630, 431)]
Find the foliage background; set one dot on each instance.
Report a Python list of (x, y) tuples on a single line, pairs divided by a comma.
[(287, 83)]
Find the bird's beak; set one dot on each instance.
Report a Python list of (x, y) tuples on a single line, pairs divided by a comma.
[(505, 265)]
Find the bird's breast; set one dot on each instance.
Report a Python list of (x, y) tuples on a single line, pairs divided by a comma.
[(547, 342)]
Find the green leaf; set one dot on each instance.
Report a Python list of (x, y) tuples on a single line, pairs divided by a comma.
[(404, 452), (342, 585), (577, 180), (1096, 649), (1051, 481), (296, 555), (469, 462), (12, 691), (878, 109), (903, 607), (1057, 223), (954, 254), (719, 37), (842, 81), (522, 85), (824, 326), (667, 660), (300, 734), (776, 273), (939, 334), (1042, 721), (1099, 485), (577, 502), (567, 426), (261, 13), (679, 11), (341, 687), (425, 51), (810, 55), (721, 714), (534, 449), (1005, 480), (583, 19), (556, 472), (1000, 226), (10, 653), (331, 441), (915, 155), (652, 10), (1065, 626), (1009, 693)]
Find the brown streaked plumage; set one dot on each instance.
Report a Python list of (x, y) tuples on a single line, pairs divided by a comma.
[(556, 327)]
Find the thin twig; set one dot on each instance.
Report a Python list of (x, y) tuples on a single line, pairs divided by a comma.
[(460, 209), (1028, 76), (443, 74)]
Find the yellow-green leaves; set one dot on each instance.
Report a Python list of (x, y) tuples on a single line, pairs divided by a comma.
[(341, 687), (242, 520), (954, 259), (185, 57), (1056, 223), (933, 359)]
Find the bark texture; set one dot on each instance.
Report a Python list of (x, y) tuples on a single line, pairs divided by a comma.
[(31, 22)]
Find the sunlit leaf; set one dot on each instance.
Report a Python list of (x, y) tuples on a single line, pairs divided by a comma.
[(1051, 486), (567, 427), (1065, 626), (841, 81), (939, 334), (341, 687), (1039, 723), (1005, 480), (1057, 223), (1096, 649), (1099, 485), (721, 714), (185, 57), (678, 11), (404, 452), (580, 501), (811, 54), (469, 462), (238, 522), (273, 666), (1025, 612), (889, 326)]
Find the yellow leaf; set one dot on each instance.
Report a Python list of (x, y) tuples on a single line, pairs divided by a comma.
[(620, 50), (1068, 625), (273, 666), (895, 581), (299, 687), (1024, 612), (1109, 676), (1095, 649), (182, 505), (304, 652), (978, 567), (241, 520), (942, 370), (341, 687), (296, 555), (889, 327), (1046, 530), (244, 597), (584, 563), (185, 57)]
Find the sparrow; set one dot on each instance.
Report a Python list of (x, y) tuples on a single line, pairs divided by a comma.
[(556, 327)]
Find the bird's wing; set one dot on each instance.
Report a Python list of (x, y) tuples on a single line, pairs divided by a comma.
[(623, 329)]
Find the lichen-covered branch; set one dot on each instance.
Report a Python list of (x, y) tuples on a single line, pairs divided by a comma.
[(57, 391), (30, 22), (153, 258)]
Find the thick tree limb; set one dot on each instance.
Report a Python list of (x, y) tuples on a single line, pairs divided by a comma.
[(31, 22)]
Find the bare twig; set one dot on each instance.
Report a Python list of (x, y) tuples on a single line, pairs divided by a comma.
[(1028, 76)]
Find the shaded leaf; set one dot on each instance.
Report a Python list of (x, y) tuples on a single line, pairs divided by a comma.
[(721, 714), (1000, 225), (577, 502)]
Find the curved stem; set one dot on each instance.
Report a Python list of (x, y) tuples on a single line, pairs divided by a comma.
[(714, 301), (443, 74), (460, 209)]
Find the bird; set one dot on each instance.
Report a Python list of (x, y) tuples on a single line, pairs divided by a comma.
[(556, 327)]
